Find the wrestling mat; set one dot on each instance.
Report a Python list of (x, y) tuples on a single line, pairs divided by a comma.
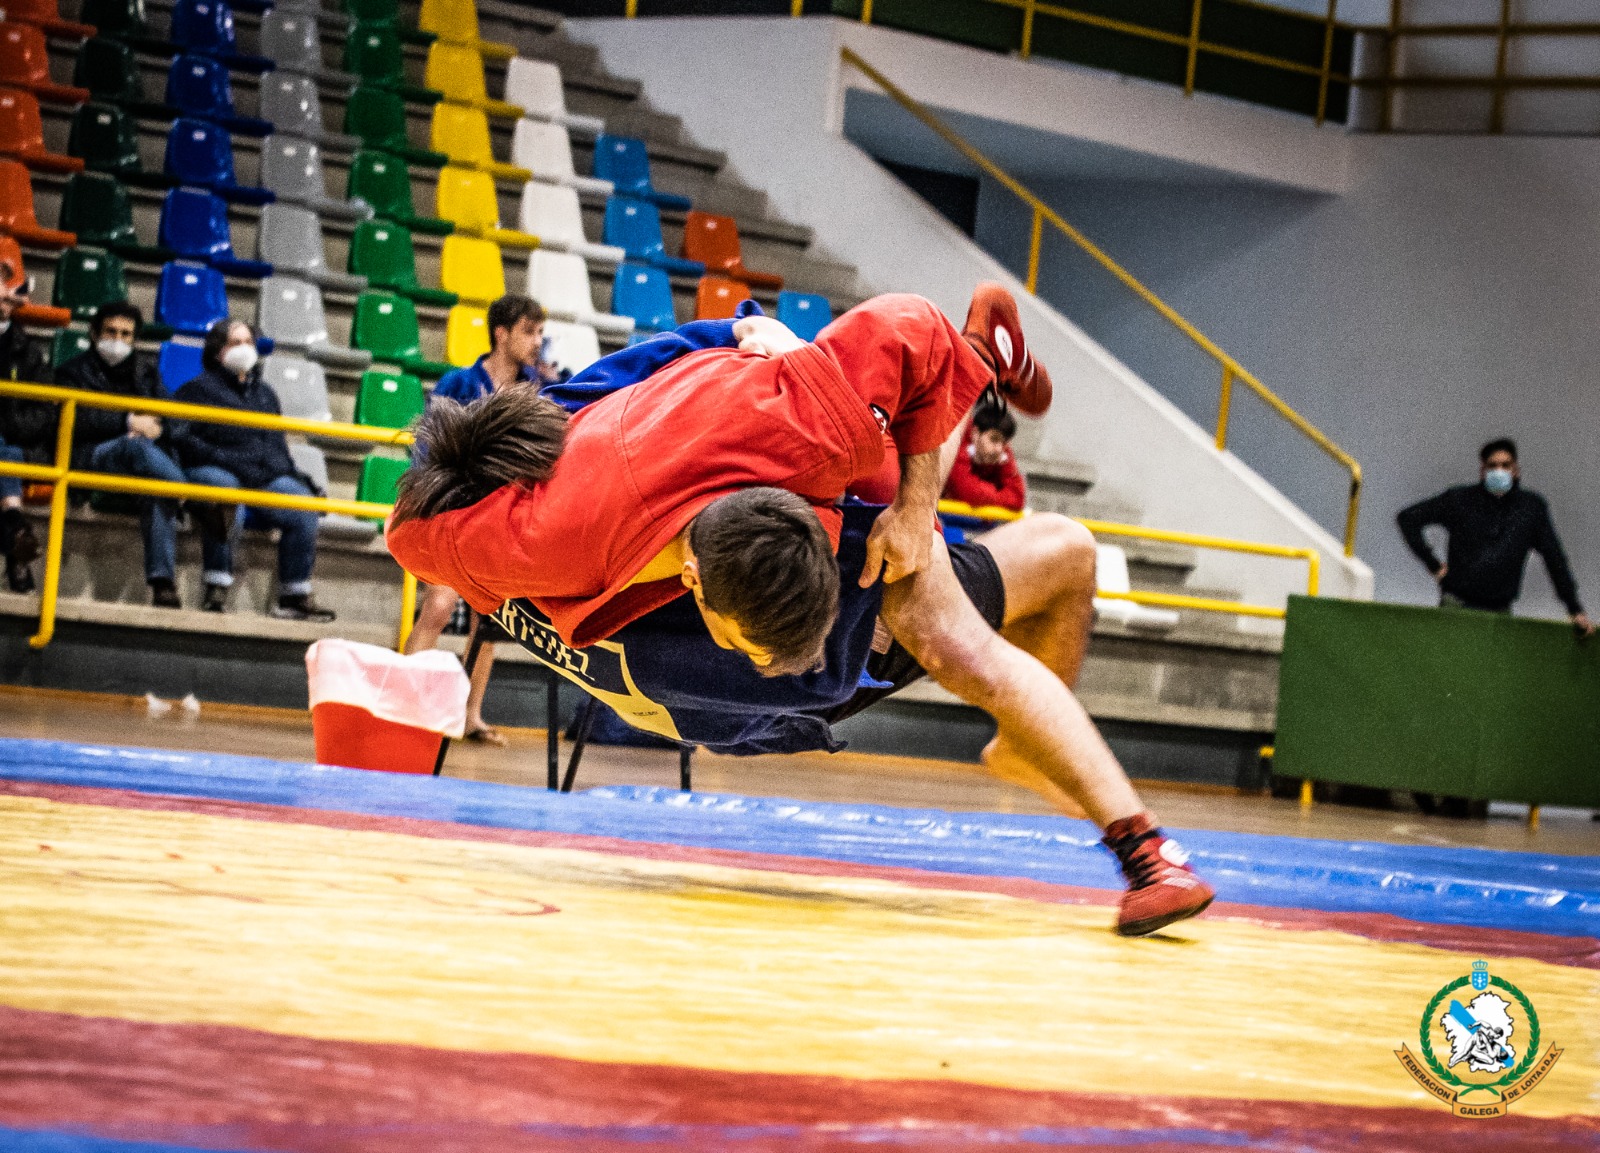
[(226, 953)]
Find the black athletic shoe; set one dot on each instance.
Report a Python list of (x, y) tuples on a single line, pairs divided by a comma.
[(19, 577), (301, 607), (216, 599), (164, 595)]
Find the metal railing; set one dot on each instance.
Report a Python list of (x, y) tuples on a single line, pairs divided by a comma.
[(64, 477), (1231, 369), (1311, 556)]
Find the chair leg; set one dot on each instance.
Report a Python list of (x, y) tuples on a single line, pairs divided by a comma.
[(552, 720), (585, 723), (474, 647), (685, 755)]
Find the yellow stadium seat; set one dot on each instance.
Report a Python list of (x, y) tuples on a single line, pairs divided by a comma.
[(457, 22), (466, 334), (462, 134), (457, 71), (466, 198), (472, 269)]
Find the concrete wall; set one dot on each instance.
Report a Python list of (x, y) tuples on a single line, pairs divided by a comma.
[(769, 92), (1446, 298)]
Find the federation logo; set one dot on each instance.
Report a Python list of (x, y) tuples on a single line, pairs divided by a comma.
[(1479, 1043)]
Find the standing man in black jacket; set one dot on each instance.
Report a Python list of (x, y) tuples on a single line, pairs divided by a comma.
[(129, 443), (233, 456), (1493, 525), (27, 432)]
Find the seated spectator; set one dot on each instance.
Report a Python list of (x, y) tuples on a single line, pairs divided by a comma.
[(233, 456), (27, 433), (128, 443), (516, 343), (985, 473)]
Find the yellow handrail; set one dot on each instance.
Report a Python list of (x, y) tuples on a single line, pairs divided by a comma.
[(1311, 556), (63, 476), (1231, 368)]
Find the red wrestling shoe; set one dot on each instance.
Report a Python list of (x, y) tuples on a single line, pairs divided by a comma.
[(1161, 886), (994, 329)]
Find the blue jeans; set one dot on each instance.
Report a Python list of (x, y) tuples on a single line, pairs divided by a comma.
[(158, 518), (10, 486), (297, 534)]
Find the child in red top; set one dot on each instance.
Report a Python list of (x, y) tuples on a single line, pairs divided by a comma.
[(985, 474)]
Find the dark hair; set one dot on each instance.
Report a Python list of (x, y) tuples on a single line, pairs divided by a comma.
[(511, 436), (766, 563), (993, 418), (509, 310), (1504, 444), (217, 337), (113, 309)]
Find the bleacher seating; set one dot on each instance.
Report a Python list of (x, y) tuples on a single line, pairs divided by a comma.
[(466, 334), (805, 313), (456, 70), (382, 252), (560, 282), (553, 214), (109, 71), (389, 399), (290, 312), (22, 134), (387, 11), (95, 205), (462, 134), (66, 344), (714, 241), (624, 161), (635, 227), (190, 297), (535, 87), (194, 224), (472, 269), (104, 138), (386, 328), (289, 237), (293, 41), (378, 117), (36, 315), (644, 294), (382, 183), (292, 105), (467, 199), (178, 363), (374, 54), (571, 347), (198, 86), (718, 297), (25, 63), (44, 15), (125, 20), (201, 154), (17, 217), (206, 27), (546, 152), (456, 21), (86, 278), (301, 385), (291, 169)]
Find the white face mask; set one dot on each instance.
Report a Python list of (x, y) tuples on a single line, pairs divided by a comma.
[(5, 327), (114, 352), (240, 359)]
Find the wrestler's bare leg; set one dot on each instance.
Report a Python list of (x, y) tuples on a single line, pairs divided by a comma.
[(438, 605)]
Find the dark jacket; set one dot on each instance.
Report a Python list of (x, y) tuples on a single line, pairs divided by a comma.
[(26, 424), (1490, 538), (257, 456), (94, 426)]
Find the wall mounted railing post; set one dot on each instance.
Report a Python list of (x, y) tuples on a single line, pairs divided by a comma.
[(797, 8), (58, 528), (1194, 49), (1327, 61), (1497, 105), (1035, 242), (1224, 403), (1027, 27), (1353, 511), (631, 9), (866, 11)]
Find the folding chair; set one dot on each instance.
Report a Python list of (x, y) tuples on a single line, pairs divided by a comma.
[(68, 343), (552, 213), (33, 315), (198, 86), (635, 225), (468, 199), (718, 298), (806, 314), (291, 169), (386, 328), (378, 117), (462, 134), (472, 269), (389, 399), (190, 297), (374, 54), (178, 363), (714, 241), (571, 347), (25, 63), (16, 210), (457, 71), (290, 311), (22, 134), (42, 14), (381, 182), (625, 161), (301, 385), (466, 334), (289, 238), (560, 282), (201, 154), (381, 251), (294, 41), (457, 22), (645, 294), (535, 86), (545, 150), (206, 27), (292, 105), (194, 224)]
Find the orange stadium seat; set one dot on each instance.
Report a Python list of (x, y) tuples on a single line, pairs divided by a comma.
[(43, 14), (38, 315), (16, 211), (714, 241), (22, 134), (25, 63), (718, 297)]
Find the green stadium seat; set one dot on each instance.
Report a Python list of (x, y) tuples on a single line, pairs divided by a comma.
[(68, 343), (381, 180), (107, 140), (378, 117), (370, 11), (86, 278), (389, 399), (380, 478), (386, 326), (381, 251), (96, 206), (374, 52), (110, 71)]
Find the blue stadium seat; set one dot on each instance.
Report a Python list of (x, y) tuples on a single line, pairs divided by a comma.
[(194, 224), (198, 86), (625, 162), (645, 294), (178, 364), (635, 225), (190, 298), (805, 313), (206, 27), (201, 154)]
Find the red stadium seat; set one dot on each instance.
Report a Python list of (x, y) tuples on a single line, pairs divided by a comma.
[(25, 63), (38, 315), (718, 297), (43, 14), (714, 241), (16, 211), (22, 134)]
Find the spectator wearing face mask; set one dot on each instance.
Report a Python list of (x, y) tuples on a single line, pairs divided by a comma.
[(1493, 526), (27, 431), (233, 456), (128, 443)]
